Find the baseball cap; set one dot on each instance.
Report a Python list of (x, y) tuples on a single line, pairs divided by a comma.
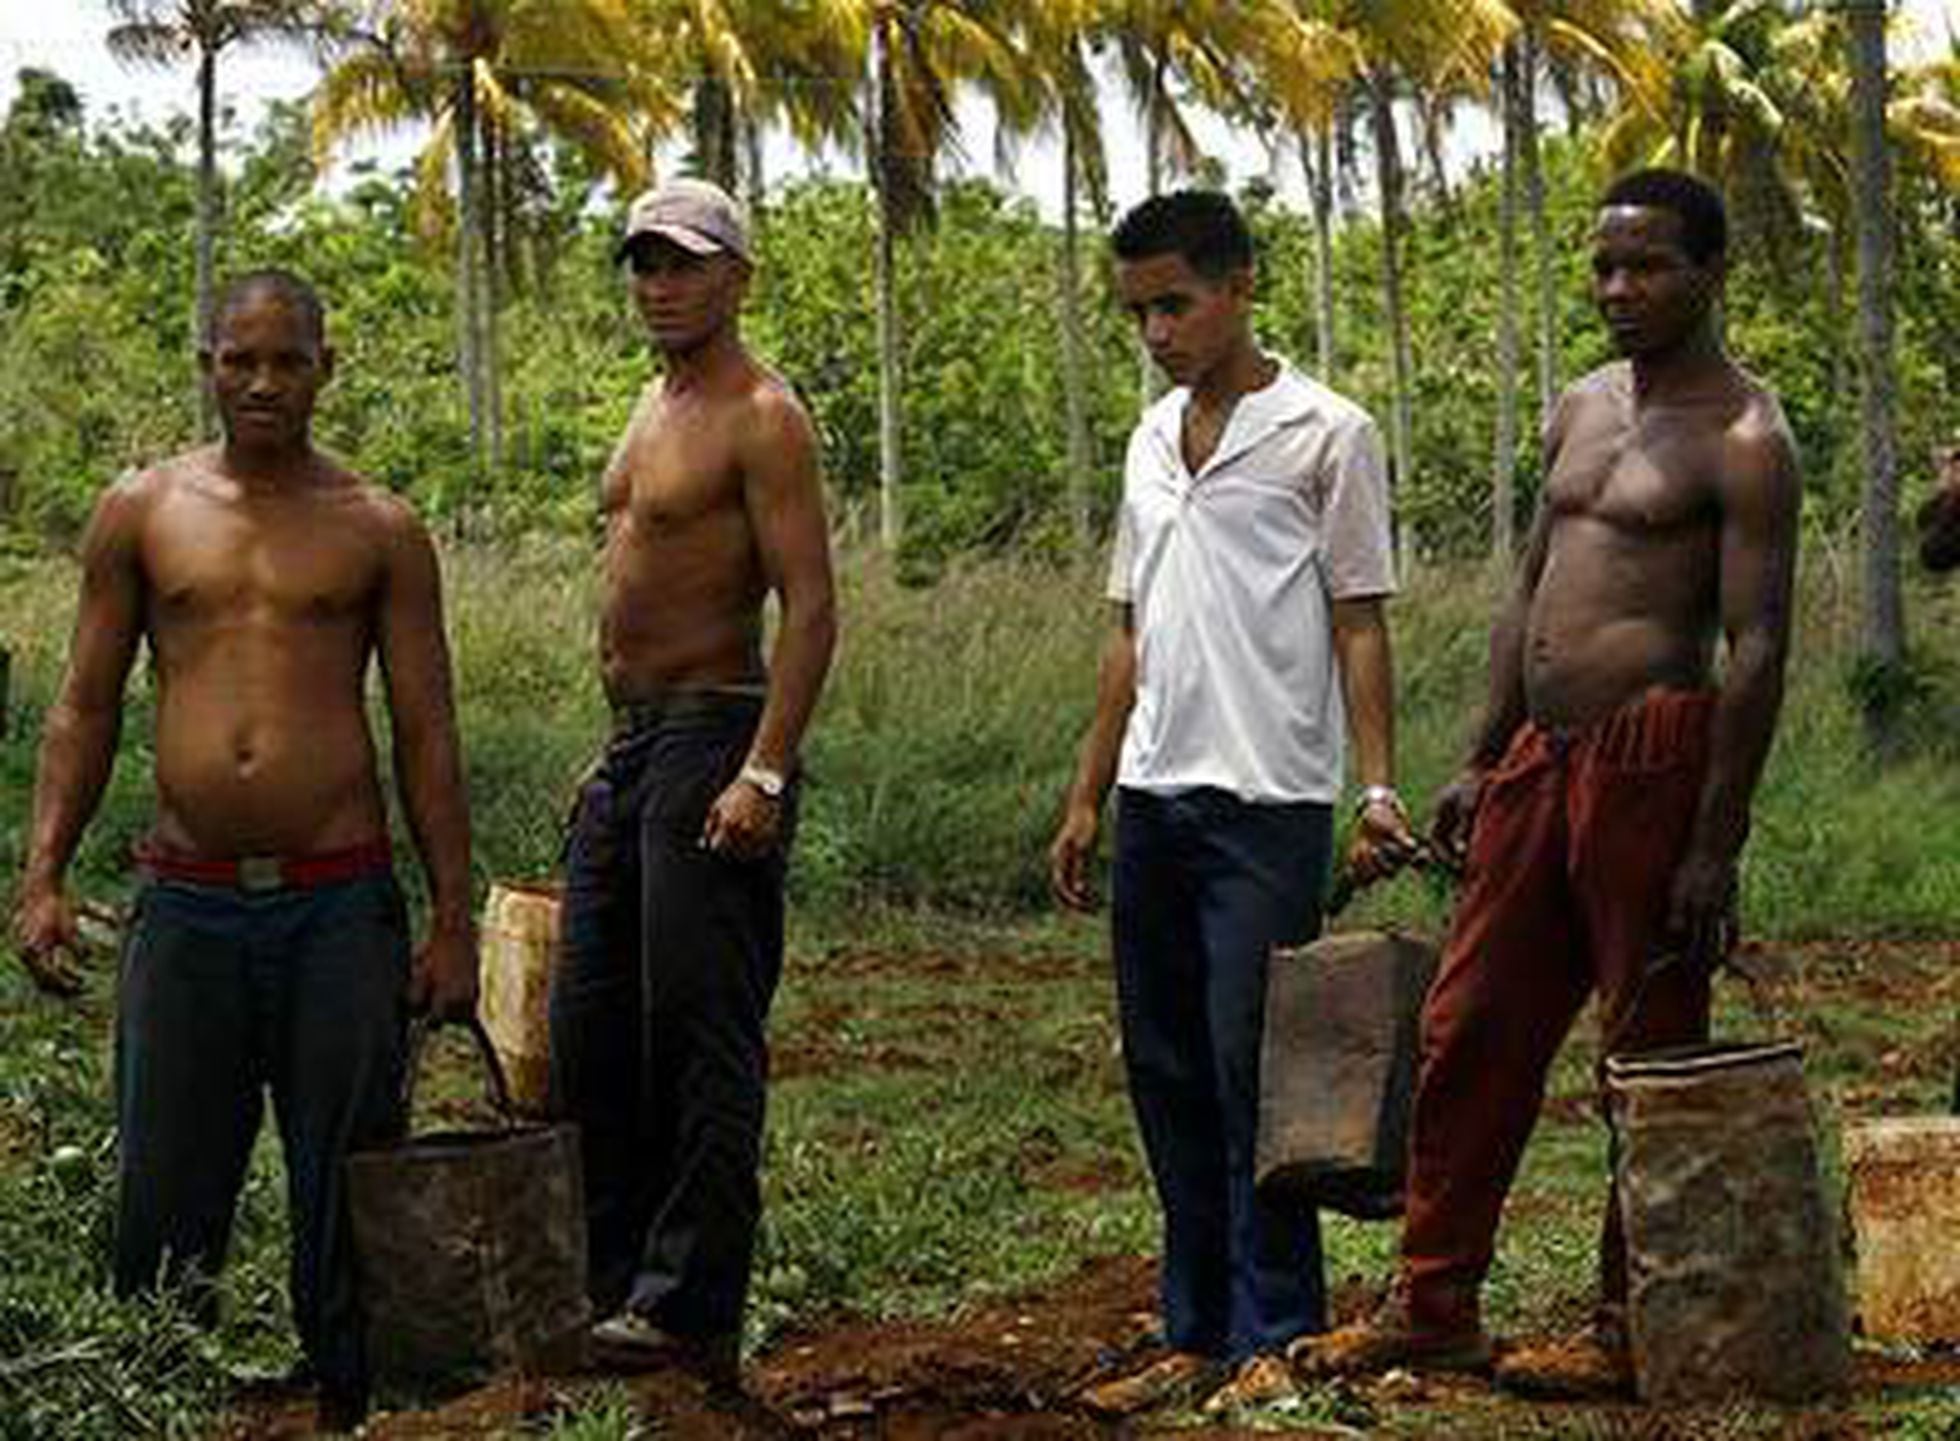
[(700, 217)]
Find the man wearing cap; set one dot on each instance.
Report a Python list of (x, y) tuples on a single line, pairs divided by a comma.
[(673, 911), (268, 950)]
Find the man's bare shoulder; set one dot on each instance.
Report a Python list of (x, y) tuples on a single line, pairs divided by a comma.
[(382, 512), (125, 505), (772, 402), (774, 423), (1610, 382)]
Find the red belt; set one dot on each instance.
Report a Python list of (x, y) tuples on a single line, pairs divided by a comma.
[(267, 873)]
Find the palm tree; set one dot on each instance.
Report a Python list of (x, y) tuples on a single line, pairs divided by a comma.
[(482, 72), (1418, 46), (1883, 640), (920, 51), (1712, 95), (1058, 38), (754, 63), (166, 32), (1306, 69)]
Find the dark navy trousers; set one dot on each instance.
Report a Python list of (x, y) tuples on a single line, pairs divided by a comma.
[(1205, 885), (227, 995), (670, 959)]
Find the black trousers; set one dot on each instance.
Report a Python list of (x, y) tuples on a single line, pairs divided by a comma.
[(670, 960), (226, 996)]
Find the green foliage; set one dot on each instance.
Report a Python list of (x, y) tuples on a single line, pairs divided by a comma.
[(96, 372)]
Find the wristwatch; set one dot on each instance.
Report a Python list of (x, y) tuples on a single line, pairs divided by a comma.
[(769, 782), (1387, 795)]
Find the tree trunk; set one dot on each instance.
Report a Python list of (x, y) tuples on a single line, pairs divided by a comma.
[(1532, 173), (207, 225), (468, 286), (1503, 478), (1081, 459), (715, 149), (490, 303), (1388, 175), (755, 173), (1431, 119), (1153, 176), (1882, 642), (1320, 181), (890, 339)]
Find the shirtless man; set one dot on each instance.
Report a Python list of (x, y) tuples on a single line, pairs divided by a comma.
[(269, 946), (1607, 795), (673, 910)]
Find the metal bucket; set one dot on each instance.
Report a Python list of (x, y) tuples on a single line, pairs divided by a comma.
[(1337, 1069), (1902, 1193), (1735, 1284), (470, 1245), (519, 945)]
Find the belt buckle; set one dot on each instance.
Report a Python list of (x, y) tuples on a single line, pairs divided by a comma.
[(260, 873)]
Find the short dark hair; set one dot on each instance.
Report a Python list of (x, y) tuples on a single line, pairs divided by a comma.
[(1203, 226), (1698, 205), (273, 281)]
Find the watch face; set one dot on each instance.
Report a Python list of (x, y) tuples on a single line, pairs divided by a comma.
[(766, 781)]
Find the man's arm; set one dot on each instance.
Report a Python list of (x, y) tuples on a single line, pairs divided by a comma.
[(1382, 839), (1504, 704), (78, 746), (414, 653), (783, 493), (1759, 495), (1095, 767)]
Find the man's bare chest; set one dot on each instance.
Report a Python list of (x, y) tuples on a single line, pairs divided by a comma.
[(1637, 484), (671, 481), (299, 568)]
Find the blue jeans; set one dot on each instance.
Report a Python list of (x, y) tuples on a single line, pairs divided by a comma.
[(670, 958), (226, 994), (1205, 885)]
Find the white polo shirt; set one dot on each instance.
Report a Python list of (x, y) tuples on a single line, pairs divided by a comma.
[(1230, 573)]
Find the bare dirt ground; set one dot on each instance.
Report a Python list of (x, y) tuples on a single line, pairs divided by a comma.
[(1015, 1368)]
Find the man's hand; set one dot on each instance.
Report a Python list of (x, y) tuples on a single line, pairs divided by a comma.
[(48, 940), (442, 982), (1382, 842), (1701, 912), (1069, 855), (1456, 816), (743, 824)]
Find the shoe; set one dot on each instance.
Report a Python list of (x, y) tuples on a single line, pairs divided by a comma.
[(1260, 1381), (1179, 1377), (630, 1341), (1595, 1364), (1387, 1340)]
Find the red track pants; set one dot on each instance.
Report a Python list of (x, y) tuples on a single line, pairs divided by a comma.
[(1572, 855)]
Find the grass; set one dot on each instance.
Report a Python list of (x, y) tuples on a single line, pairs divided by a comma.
[(949, 1121)]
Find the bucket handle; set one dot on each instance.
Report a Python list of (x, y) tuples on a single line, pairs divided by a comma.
[(418, 1035), (1427, 856), (1767, 1011)]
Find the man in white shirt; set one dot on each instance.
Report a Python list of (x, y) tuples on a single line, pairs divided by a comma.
[(1251, 562)]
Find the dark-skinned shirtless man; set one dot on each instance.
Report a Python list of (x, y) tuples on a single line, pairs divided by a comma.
[(268, 948), (1607, 794), (673, 909)]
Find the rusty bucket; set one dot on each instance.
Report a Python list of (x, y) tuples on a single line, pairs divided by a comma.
[(1735, 1285), (519, 943), (1902, 1183), (1337, 1069)]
